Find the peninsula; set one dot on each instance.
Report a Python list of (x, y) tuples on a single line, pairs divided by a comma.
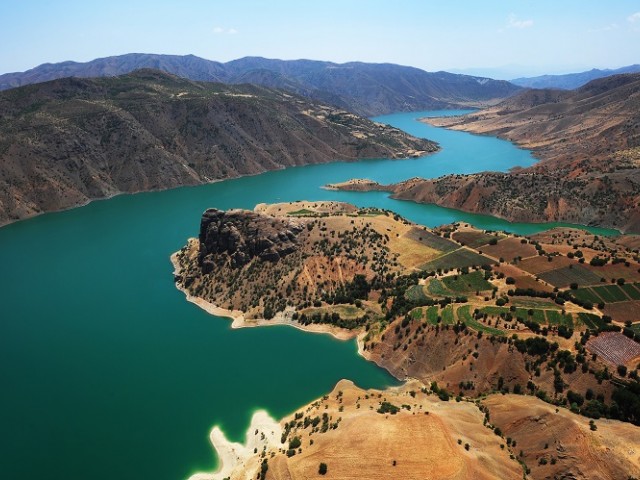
[(541, 324)]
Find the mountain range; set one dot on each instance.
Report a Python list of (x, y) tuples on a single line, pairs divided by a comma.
[(363, 88), (67, 141)]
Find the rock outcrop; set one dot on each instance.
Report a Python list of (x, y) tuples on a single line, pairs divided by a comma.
[(244, 235)]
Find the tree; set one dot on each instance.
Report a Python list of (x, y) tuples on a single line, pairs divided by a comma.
[(322, 469)]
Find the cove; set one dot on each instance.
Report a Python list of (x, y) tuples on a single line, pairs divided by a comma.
[(108, 372)]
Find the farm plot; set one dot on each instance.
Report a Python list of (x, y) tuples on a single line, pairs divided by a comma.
[(619, 270), (555, 317), (464, 315), (447, 315), (586, 295), (457, 259), (563, 277), (473, 239), (510, 248), (590, 320), (416, 293), (614, 348), (610, 293), (431, 240), (466, 283), (537, 265), (624, 311), (432, 315), (632, 290)]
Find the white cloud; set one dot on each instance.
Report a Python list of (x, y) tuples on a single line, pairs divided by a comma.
[(634, 18), (514, 22), (224, 31)]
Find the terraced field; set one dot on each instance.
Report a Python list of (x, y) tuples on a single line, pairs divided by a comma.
[(457, 259), (464, 315)]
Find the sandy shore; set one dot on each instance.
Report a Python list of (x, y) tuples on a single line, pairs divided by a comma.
[(263, 432)]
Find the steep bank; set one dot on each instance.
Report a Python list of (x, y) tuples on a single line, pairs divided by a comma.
[(65, 142), (589, 144)]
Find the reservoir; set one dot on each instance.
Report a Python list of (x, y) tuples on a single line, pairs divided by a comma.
[(107, 372)]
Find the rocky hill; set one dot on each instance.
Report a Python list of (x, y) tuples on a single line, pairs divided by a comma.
[(65, 142), (463, 313), (589, 144), (364, 88)]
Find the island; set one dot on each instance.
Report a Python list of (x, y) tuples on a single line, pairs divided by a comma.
[(519, 353)]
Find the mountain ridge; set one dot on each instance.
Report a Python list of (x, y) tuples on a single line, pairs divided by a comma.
[(364, 88)]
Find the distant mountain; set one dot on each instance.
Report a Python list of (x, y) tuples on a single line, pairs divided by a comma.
[(571, 81), (364, 88), (67, 141)]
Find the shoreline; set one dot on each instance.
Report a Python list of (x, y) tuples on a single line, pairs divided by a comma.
[(238, 319)]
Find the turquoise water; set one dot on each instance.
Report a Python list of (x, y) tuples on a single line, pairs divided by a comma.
[(107, 372)]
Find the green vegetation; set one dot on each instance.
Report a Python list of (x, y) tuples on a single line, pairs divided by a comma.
[(591, 321), (432, 315), (447, 315), (466, 283), (555, 317), (632, 290), (464, 314), (586, 295), (610, 293), (386, 407)]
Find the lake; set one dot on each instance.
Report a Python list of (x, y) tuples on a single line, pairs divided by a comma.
[(107, 372)]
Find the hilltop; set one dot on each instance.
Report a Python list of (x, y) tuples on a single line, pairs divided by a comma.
[(463, 312), (364, 88), (68, 141), (588, 141)]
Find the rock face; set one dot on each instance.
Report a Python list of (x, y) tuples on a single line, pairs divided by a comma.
[(245, 235)]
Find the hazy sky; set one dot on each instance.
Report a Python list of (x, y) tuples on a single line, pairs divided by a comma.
[(554, 36)]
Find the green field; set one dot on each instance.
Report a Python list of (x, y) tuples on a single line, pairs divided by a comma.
[(464, 315), (555, 317), (590, 320), (586, 295), (610, 293), (447, 315), (632, 290), (432, 315), (457, 259), (494, 311), (415, 293), (470, 282), (416, 313)]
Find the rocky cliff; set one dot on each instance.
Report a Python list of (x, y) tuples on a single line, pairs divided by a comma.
[(243, 236)]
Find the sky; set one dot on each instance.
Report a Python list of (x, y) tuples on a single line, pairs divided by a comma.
[(504, 38)]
